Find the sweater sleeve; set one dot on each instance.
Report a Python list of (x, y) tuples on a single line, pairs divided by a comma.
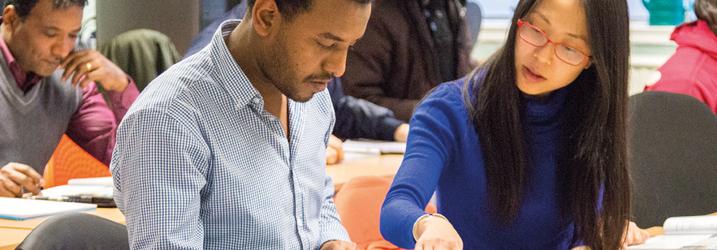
[(358, 118), (94, 124), (431, 143)]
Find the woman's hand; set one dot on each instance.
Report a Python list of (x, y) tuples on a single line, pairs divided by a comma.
[(634, 235), (435, 232)]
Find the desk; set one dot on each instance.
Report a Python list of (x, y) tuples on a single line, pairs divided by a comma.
[(10, 238), (385, 166), (13, 232), (112, 214)]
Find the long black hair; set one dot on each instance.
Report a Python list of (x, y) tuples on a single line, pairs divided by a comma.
[(592, 156)]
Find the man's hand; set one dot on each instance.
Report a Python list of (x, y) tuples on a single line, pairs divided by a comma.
[(335, 150), (14, 177), (338, 245), (401, 133), (90, 66), (437, 233), (634, 235)]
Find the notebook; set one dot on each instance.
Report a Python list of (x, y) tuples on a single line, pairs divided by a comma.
[(22, 209), (688, 232), (85, 190)]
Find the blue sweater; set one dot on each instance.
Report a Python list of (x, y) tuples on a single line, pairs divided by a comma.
[(444, 155)]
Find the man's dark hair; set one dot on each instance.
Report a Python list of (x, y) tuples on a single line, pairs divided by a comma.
[(23, 7), (290, 8)]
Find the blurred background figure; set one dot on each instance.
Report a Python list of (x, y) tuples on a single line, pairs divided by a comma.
[(410, 46), (142, 53), (692, 69)]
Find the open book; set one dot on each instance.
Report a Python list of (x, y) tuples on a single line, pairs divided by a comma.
[(689, 232), (21, 209), (86, 190)]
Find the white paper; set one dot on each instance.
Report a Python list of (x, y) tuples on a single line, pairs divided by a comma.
[(673, 242), (686, 232), (103, 181), (98, 191), (374, 147), (706, 224), (20, 209)]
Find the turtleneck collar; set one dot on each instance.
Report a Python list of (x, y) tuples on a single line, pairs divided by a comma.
[(544, 109)]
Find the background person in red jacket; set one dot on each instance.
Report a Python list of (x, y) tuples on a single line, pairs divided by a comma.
[(692, 70)]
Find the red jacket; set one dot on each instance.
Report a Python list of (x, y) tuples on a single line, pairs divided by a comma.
[(692, 70)]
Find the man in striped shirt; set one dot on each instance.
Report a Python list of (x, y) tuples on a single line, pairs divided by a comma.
[(225, 150)]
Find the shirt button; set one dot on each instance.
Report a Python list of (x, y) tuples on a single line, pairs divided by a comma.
[(255, 100)]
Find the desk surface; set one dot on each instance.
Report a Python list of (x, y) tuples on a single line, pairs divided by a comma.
[(13, 232), (112, 214), (10, 238), (386, 165)]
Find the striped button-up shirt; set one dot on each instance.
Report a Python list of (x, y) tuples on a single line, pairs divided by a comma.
[(199, 162)]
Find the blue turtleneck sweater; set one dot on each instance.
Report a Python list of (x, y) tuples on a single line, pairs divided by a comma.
[(444, 155)]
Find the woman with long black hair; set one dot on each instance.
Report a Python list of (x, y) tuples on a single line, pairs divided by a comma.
[(529, 150)]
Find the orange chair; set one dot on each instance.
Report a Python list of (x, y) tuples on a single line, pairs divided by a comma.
[(358, 203), (71, 161)]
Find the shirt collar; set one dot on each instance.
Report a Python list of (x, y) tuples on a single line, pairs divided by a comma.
[(229, 73), (24, 80)]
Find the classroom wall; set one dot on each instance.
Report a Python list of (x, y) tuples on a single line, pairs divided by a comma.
[(504, 8), (181, 22)]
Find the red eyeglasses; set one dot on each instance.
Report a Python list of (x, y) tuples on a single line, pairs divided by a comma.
[(538, 38)]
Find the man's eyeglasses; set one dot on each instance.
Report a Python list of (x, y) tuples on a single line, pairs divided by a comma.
[(537, 37)]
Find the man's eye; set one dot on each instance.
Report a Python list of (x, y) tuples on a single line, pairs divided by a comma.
[(327, 45)]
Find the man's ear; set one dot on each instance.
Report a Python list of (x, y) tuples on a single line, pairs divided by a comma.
[(10, 18), (265, 17)]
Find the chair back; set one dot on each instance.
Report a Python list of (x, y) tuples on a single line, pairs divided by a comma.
[(358, 203), (672, 141), (71, 161), (76, 231)]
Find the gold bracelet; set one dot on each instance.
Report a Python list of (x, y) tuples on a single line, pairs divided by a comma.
[(415, 224)]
